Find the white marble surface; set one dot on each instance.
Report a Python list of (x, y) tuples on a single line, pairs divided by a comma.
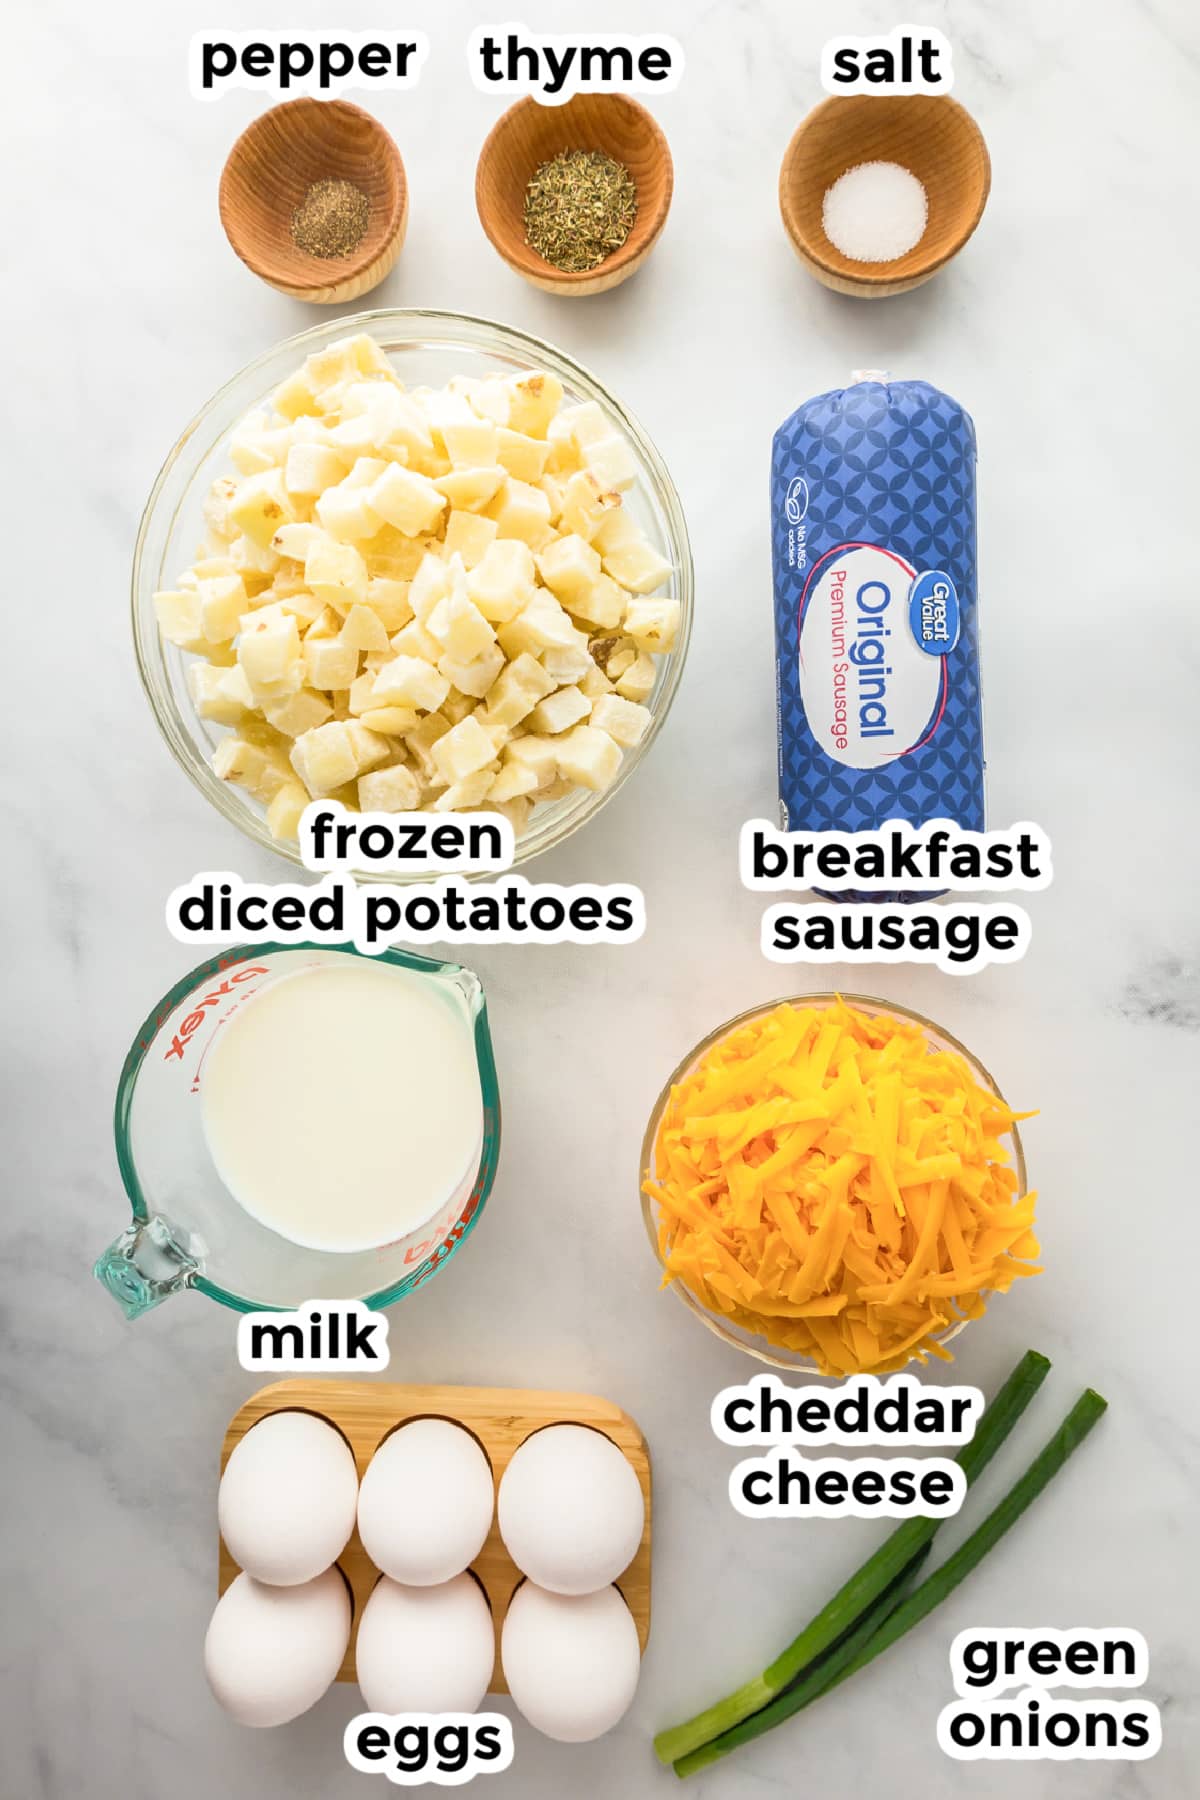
[(1067, 330)]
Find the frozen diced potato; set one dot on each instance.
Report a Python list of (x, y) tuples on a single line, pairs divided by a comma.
[(511, 780), (568, 666), (390, 721), (251, 559), (474, 677), (364, 629), (522, 511), (216, 696), (409, 681), (216, 508), (624, 720), (653, 624), (299, 712), (328, 663), (524, 457), (470, 490), (311, 468), (389, 601), (570, 568), (587, 422), (413, 640), (516, 811), (360, 697), (389, 790), (468, 536), (223, 600), (541, 624), (533, 401), (517, 690), (603, 605), (286, 810), (559, 711), (260, 506), (346, 512), (325, 758), (470, 442), (369, 747), (254, 448), (430, 584), (490, 399), (459, 627), (336, 573), (421, 740), (270, 654), (636, 681), (392, 554), (407, 500), (503, 580), (462, 751), (295, 396), (295, 541), (595, 683), (464, 794), (457, 706), (180, 616), (260, 771), (537, 754), (586, 504), (588, 757), (611, 461), (627, 557)]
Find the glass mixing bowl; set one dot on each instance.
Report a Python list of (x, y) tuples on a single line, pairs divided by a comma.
[(426, 348), (752, 1343)]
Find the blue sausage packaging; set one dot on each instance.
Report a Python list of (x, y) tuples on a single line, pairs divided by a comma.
[(877, 661)]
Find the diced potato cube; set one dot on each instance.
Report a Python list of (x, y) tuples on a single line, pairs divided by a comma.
[(254, 450), (223, 600), (476, 676), (595, 683), (633, 562), (540, 625), (586, 505), (512, 780), (588, 757), (407, 500), (216, 508), (325, 758), (364, 629), (260, 771), (603, 605), (389, 790), (336, 573), (362, 688), (637, 681), (311, 468), (490, 399), (369, 747), (327, 624), (430, 584), (458, 706), (533, 401), (524, 457), (329, 664), (462, 795), (570, 568), (459, 627), (516, 811), (611, 461), (558, 790), (464, 749), (468, 535), (517, 690), (260, 506), (470, 443), (503, 580), (653, 624), (216, 696), (295, 541), (537, 754), (295, 396), (558, 711), (569, 666), (346, 512), (420, 741), (623, 720), (298, 713), (389, 601), (286, 810), (180, 616), (270, 654), (398, 557), (413, 640), (408, 681), (470, 490), (587, 422), (390, 721), (522, 511)]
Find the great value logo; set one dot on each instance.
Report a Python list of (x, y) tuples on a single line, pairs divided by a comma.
[(871, 691)]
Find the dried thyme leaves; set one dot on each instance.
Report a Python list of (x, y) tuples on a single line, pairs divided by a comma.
[(579, 207), (331, 220)]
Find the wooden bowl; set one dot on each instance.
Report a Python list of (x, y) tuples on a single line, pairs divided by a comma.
[(528, 135), (271, 168), (933, 136)]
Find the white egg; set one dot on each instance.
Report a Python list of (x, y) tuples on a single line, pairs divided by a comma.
[(571, 1661), (425, 1649), (571, 1509), (426, 1503), (288, 1497), (271, 1652)]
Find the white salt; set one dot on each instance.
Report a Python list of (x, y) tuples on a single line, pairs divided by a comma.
[(875, 212)]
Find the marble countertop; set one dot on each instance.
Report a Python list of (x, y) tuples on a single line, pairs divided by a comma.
[(1067, 330)]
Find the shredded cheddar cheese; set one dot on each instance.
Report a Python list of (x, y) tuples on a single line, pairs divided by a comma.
[(827, 1180)]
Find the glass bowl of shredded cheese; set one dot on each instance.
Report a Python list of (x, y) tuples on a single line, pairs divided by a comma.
[(412, 560), (834, 1183)]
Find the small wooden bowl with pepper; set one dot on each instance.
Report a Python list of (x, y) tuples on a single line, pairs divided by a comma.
[(575, 197), (314, 200)]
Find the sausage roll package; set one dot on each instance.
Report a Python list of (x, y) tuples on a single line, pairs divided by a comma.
[(877, 660)]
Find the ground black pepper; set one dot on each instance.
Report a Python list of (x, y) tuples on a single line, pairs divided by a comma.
[(332, 219)]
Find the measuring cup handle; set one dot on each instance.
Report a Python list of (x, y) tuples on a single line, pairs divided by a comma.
[(145, 1265)]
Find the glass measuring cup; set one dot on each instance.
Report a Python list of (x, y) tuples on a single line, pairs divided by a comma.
[(187, 1230)]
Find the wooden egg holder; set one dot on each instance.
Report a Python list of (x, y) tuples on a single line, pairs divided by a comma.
[(366, 1412)]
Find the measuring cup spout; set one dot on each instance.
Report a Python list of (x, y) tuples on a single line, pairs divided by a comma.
[(145, 1265)]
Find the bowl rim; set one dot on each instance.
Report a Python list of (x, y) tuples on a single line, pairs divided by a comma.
[(886, 275), (759, 1348), (331, 271), (534, 265), (421, 322)]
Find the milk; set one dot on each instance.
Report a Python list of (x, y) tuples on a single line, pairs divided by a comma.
[(342, 1105)]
